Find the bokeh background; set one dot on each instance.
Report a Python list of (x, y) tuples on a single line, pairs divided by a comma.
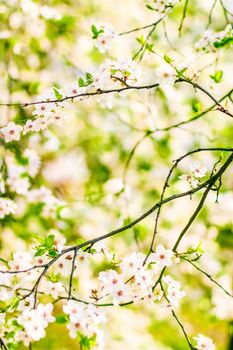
[(85, 161)]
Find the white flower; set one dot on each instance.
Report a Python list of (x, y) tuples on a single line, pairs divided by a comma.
[(95, 313), (74, 328), (198, 170), (53, 289), (121, 294), (189, 178), (102, 42), (11, 132), (33, 324), (110, 280), (144, 278), (7, 206), (20, 186), (56, 118), (72, 90), (162, 257), (24, 337), (42, 122), (63, 265), (174, 294), (82, 259), (75, 311), (30, 126), (166, 75), (45, 311), (101, 77), (21, 261), (204, 343), (132, 263)]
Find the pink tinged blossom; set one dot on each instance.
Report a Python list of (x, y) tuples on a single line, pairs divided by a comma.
[(63, 265), (162, 257), (102, 42), (54, 289), (204, 343), (132, 263), (121, 294), (31, 126), (45, 311), (198, 170), (174, 294), (7, 206), (11, 132)]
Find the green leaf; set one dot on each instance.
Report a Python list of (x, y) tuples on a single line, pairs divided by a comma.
[(61, 319), (149, 7), (181, 71), (85, 342), (88, 81), (141, 39), (14, 303), (149, 47), (196, 106), (57, 93), (81, 82), (89, 78), (40, 252), (53, 253), (217, 77), (49, 241), (96, 32), (167, 59), (225, 42)]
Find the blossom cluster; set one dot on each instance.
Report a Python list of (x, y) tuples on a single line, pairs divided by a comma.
[(136, 279), (212, 40), (174, 294), (197, 172), (33, 323), (85, 318), (16, 180), (50, 104), (133, 280)]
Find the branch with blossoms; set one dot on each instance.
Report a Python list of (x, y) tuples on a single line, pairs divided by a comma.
[(137, 280), (48, 110), (33, 281)]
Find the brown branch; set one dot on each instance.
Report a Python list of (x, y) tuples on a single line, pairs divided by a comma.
[(85, 94)]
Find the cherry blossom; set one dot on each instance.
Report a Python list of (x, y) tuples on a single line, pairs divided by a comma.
[(204, 343), (11, 132), (7, 207), (104, 35), (162, 257)]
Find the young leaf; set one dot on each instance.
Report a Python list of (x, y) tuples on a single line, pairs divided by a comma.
[(49, 241), (61, 319), (217, 77), (57, 93), (167, 59), (141, 39)]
